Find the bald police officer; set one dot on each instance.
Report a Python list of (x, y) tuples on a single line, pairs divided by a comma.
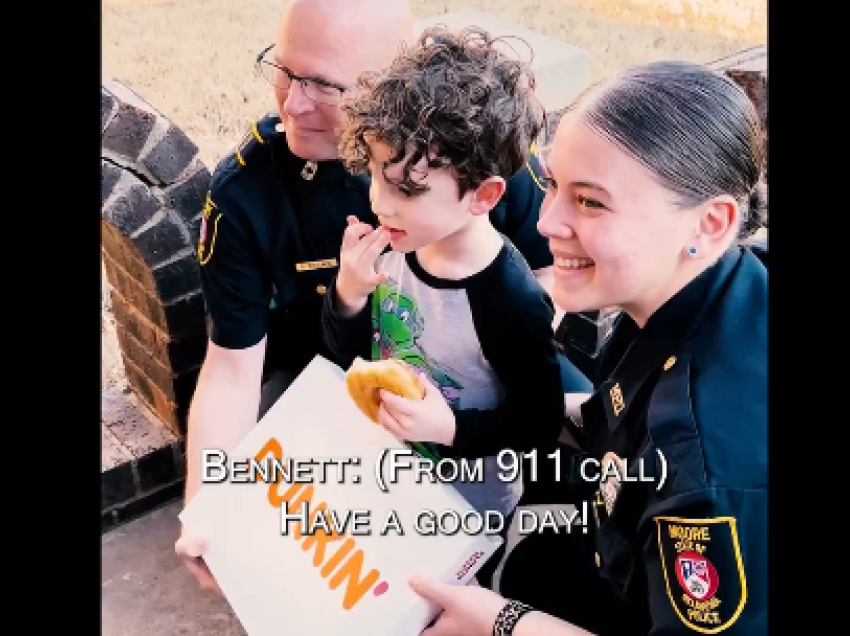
[(274, 218)]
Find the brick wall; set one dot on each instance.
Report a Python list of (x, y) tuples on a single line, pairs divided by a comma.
[(153, 187)]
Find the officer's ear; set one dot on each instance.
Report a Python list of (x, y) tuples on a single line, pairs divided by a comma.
[(717, 223), (487, 195)]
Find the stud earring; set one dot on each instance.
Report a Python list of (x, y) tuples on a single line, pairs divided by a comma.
[(692, 251)]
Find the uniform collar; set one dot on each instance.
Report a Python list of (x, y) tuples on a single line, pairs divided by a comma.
[(649, 349), (328, 171)]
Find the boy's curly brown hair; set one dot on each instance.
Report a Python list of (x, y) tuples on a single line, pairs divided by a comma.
[(452, 98)]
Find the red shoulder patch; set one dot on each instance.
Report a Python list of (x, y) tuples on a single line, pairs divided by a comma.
[(703, 571)]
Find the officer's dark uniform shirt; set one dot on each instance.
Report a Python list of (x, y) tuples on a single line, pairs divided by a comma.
[(691, 386), (270, 242)]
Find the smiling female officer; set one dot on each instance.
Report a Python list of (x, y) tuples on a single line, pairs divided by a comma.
[(653, 177)]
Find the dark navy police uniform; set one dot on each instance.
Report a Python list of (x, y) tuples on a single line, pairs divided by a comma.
[(271, 236), (690, 558)]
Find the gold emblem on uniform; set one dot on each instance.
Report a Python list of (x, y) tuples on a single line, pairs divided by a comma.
[(322, 289), (617, 402), (306, 266), (613, 472), (670, 362), (309, 170)]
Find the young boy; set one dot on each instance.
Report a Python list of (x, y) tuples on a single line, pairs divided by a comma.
[(441, 131)]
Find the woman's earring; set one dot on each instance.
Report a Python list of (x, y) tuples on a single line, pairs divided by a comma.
[(692, 251)]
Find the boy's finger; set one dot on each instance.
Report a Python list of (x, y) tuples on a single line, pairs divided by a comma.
[(353, 233), (359, 250), (390, 423), (395, 404), (380, 277), (364, 239), (372, 251)]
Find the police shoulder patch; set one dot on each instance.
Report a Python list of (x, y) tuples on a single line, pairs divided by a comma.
[(537, 176), (257, 137), (252, 150), (210, 217), (703, 571), (250, 141)]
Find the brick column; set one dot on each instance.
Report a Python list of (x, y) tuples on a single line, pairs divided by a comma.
[(153, 187)]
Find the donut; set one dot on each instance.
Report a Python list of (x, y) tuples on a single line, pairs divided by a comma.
[(365, 379)]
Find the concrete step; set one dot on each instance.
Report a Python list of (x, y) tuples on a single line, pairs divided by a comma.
[(146, 589)]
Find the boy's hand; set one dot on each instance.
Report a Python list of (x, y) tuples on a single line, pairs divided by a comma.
[(427, 420), (357, 278)]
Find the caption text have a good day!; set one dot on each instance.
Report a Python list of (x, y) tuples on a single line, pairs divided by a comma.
[(298, 511)]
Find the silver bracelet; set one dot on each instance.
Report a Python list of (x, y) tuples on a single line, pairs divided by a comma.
[(508, 617)]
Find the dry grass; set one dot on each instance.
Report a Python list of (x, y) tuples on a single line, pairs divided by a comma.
[(193, 59)]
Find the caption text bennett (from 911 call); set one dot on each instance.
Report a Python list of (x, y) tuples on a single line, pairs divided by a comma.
[(292, 481)]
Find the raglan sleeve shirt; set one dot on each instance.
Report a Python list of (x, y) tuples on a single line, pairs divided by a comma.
[(512, 321), (347, 337), (513, 317)]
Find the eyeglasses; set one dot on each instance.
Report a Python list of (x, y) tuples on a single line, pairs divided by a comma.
[(317, 90)]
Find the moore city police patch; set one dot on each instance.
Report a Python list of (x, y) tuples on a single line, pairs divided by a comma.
[(703, 571), (210, 217)]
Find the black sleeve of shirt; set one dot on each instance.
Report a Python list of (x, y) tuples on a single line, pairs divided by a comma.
[(513, 319), (347, 337), (518, 212), (232, 278)]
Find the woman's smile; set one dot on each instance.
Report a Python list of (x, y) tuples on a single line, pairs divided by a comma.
[(571, 266), (574, 263)]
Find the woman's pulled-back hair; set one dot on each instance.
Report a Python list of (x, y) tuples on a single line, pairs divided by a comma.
[(693, 128)]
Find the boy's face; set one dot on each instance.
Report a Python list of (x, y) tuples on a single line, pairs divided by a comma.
[(417, 220)]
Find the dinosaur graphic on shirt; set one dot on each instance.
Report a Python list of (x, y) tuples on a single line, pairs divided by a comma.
[(397, 324)]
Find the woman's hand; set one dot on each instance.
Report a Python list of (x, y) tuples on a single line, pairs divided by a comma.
[(468, 610), (471, 610), (427, 420)]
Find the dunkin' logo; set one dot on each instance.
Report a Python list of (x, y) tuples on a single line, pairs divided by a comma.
[(335, 556), (468, 565)]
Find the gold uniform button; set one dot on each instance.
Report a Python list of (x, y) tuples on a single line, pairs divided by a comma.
[(321, 289), (598, 561), (670, 362)]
